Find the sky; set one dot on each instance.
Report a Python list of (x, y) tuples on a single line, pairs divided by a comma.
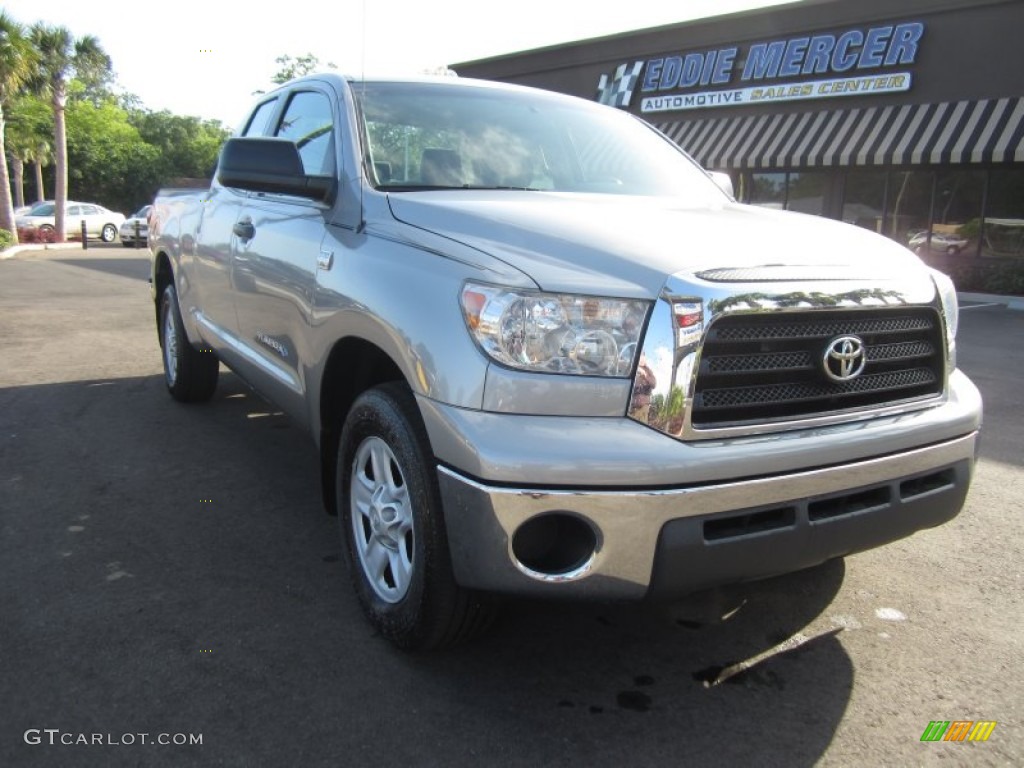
[(207, 57)]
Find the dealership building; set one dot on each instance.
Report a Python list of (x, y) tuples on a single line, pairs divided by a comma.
[(902, 116)]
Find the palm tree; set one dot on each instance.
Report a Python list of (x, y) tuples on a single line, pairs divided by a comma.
[(18, 179), (25, 151), (60, 58), (39, 155), (17, 60)]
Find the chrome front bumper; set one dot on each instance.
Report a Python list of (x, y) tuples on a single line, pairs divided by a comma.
[(733, 510), (872, 502)]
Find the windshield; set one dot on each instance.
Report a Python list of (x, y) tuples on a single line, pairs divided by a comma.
[(440, 136), (41, 209)]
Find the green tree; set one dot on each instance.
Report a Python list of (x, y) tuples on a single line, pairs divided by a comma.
[(29, 139), (109, 161), (17, 62), (188, 146), (61, 57), (290, 67)]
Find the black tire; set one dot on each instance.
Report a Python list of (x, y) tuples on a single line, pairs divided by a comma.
[(109, 233), (412, 598), (952, 250), (190, 373), (47, 234)]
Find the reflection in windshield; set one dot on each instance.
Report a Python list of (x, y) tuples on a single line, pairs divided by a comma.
[(454, 136)]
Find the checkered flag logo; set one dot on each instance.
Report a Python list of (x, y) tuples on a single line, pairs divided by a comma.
[(618, 91)]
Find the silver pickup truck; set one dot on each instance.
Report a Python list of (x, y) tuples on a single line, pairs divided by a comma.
[(542, 352)]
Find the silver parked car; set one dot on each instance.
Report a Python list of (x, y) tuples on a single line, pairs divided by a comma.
[(542, 353), (136, 228), (39, 223), (939, 242)]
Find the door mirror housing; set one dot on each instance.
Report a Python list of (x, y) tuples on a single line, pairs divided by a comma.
[(271, 165)]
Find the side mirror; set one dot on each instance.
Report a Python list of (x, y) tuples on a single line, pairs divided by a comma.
[(723, 181), (271, 165)]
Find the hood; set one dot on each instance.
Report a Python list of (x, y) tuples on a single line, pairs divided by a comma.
[(624, 246)]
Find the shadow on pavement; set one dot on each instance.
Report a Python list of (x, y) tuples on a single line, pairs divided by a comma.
[(128, 266), (170, 570)]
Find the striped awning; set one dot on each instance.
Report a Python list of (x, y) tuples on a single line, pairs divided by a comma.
[(985, 131)]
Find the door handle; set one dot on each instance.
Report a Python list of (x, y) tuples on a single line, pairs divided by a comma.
[(244, 229)]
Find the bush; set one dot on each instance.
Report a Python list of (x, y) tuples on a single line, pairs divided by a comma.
[(1002, 276), (6, 239)]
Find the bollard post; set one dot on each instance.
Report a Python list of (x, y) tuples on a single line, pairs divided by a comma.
[(85, 237), (137, 224)]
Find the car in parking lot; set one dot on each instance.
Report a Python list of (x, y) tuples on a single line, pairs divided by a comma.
[(39, 223), (939, 242), (136, 227), (24, 209)]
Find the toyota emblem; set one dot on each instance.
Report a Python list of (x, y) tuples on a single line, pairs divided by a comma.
[(844, 358)]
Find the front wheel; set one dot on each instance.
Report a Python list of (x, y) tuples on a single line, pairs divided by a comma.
[(108, 233), (393, 526), (190, 373)]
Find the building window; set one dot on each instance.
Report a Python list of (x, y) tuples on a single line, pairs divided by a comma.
[(910, 205), (864, 199), (956, 211), (803, 192), (1003, 234), (767, 190)]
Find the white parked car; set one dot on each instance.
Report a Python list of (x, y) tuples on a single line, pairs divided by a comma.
[(939, 242), (38, 223), (137, 222)]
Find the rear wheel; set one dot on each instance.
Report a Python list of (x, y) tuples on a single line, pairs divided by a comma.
[(393, 526), (47, 234), (190, 373), (108, 233)]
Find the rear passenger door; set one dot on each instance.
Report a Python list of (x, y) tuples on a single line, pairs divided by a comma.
[(274, 269)]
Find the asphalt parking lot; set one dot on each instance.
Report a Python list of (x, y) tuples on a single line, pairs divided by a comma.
[(168, 572)]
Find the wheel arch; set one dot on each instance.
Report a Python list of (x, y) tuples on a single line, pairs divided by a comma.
[(163, 275), (353, 366)]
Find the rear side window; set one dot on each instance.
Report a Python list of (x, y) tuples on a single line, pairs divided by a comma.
[(309, 122), (260, 118)]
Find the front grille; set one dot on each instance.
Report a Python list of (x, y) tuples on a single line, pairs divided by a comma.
[(758, 368)]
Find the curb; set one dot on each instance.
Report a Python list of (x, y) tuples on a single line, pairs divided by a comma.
[(12, 252)]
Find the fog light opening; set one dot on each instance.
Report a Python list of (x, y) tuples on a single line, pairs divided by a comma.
[(554, 546)]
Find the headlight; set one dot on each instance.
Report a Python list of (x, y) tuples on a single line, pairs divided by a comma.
[(554, 333), (951, 310)]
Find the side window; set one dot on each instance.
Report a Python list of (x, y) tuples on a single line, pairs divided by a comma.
[(309, 123), (258, 123), (74, 210), (90, 210)]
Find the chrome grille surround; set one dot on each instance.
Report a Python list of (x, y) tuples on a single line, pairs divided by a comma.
[(777, 330)]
